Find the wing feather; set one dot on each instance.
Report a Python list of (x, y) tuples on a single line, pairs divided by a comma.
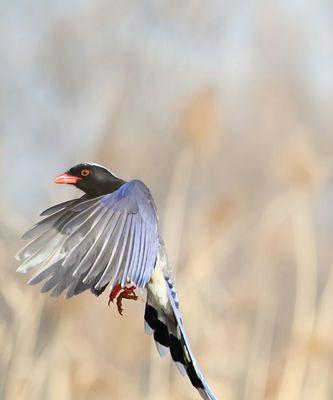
[(140, 263), (79, 218), (42, 226), (57, 207), (103, 259), (121, 247), (90, 242), (130, 251), (136, 250), (93, 272)]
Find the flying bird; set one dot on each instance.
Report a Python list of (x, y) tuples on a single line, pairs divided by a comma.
[(110, 237)]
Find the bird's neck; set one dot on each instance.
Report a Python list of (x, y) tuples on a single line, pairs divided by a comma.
[(109, 186)]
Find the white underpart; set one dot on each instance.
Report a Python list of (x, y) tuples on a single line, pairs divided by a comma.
[(157, 284)]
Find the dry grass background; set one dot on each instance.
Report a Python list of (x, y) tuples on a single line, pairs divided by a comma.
[(240, 166)]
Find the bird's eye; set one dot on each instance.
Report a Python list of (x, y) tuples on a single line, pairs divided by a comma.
[(85, 172)]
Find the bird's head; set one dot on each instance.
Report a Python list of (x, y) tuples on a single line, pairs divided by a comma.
[(93, 179)]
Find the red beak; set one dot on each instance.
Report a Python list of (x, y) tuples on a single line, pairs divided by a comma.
[(66, 178)]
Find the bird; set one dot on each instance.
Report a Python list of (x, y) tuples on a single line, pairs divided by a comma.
[(110, 236)]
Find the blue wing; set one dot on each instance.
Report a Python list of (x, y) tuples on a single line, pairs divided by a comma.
[(87, 243)]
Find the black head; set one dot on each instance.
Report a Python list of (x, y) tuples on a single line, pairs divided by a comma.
[(93, 179)]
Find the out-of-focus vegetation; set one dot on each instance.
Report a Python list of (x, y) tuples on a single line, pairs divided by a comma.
[(225, 110)]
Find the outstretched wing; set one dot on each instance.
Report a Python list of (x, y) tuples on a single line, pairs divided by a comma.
[(87, 243)]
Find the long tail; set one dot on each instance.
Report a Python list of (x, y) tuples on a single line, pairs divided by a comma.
[(162, 318)]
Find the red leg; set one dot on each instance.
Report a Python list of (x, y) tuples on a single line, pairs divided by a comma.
[(130, 295), (114, 293)]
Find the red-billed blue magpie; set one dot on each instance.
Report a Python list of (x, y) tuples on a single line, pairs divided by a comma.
[(110, 237)]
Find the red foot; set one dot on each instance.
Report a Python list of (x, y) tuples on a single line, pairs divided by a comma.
[(122, 293), (114, 293)]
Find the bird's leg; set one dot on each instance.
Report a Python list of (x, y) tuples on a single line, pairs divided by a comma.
[(127, 293), (114, 293), (122, 293)]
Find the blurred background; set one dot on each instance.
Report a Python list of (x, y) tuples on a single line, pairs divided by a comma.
[(224, 109)]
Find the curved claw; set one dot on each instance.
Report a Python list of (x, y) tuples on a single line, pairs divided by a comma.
[(122, 293), (114, 293)]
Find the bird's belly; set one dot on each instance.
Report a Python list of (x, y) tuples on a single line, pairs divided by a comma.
[(158, 287)]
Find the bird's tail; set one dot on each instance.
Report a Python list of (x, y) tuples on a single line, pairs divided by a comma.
[(165, 323)]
